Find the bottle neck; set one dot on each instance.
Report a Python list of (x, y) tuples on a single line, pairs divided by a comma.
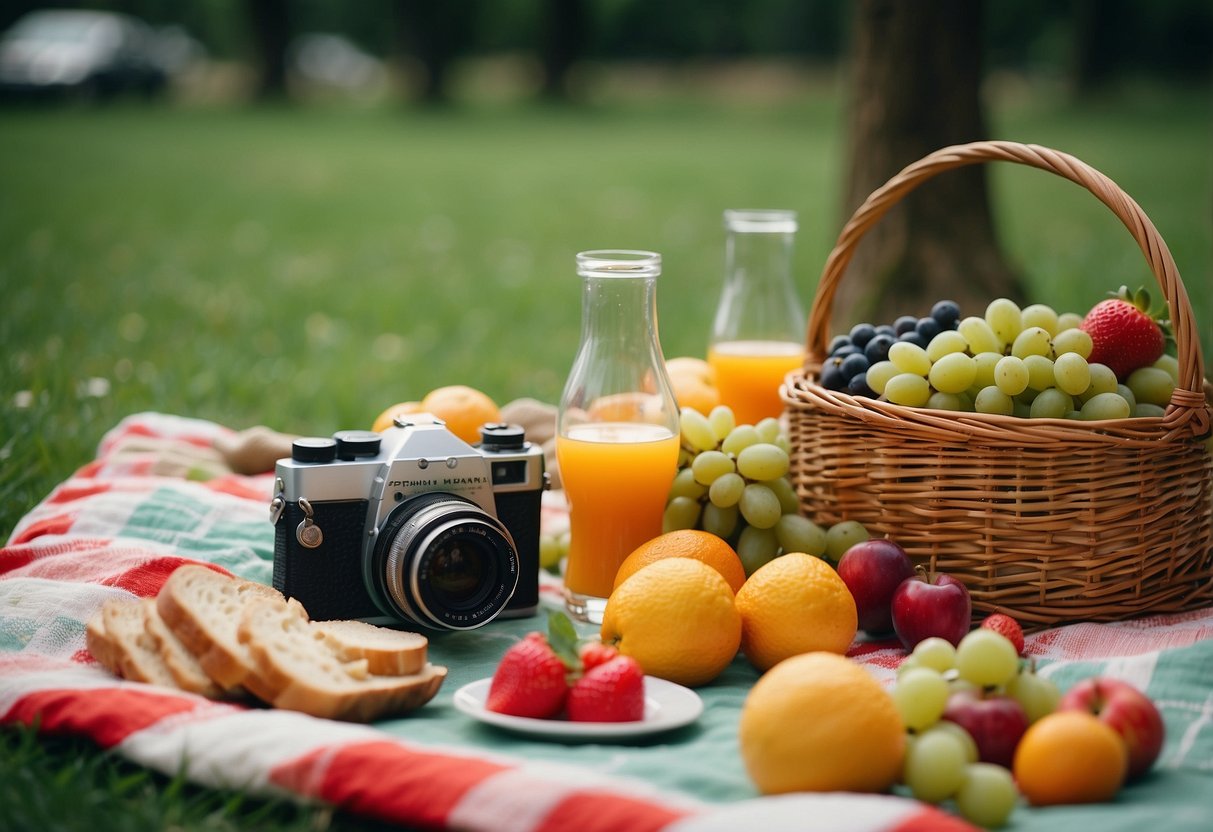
[(619, 314), (759, 300)]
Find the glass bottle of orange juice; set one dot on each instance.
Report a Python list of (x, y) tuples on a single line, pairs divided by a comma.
[(758, 335), (617, 427)]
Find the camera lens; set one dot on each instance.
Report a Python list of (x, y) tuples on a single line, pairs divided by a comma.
[(442, 561)]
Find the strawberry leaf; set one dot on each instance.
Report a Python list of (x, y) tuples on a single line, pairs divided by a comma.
[(562, 636)]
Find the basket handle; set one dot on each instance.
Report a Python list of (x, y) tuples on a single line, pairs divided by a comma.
[(1188, 401)]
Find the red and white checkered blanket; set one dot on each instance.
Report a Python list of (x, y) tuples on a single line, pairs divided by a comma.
[(123, 522)]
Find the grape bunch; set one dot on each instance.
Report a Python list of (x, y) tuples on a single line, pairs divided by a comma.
[(1029, 362), (733, 481), (853, 354), (944, 760)]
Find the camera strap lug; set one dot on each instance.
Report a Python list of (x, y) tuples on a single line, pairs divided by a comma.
[(277, 506), (307, 532)]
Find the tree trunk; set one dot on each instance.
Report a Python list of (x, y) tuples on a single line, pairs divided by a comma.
[(563, 37), (433, 33), (269, 22), (916, 88)]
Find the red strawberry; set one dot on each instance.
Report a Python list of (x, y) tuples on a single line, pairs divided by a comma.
[(610, 692), (1007, 626), (594, 653), (1124, 334), (529, 681)]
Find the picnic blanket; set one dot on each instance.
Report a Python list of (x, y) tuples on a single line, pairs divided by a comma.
[(124, 521)]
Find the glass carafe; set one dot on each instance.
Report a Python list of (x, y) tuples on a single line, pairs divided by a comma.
[(759, 331), (617, 430)]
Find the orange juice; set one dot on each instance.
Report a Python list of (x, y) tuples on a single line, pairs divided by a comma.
[(616, 476), (748, 375)]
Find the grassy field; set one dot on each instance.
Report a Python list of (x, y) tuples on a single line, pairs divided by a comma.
[(306, 268)]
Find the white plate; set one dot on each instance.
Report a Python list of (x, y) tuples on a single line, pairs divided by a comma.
[(666, 706)]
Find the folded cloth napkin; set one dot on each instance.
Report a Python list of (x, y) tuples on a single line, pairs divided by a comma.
[(160, 494)]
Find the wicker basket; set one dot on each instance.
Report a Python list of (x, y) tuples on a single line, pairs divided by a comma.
[(1049, 520)]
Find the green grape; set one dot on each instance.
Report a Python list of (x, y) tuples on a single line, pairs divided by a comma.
[(1104, 406), (756, 547), (910, 358), (963, 736), (1037, 695), (684, 485), (1051, 404), (936, 653), (784, 444), (1040, 372), (742, 436), (945, 343), (1011, 375), (920, 695), (945, 401), (722, 421), (1125, 393), (986, 658), (986, 363), (1072, 340), (1151, 385), (953, 373), (721, 522), (763, 462), (788, 501), (987, 795), (1171, 364), (768, 428), (993, 400), (549, 552), (908, 389), (696, 431), (726, 490), (1068, 320), (979, 336), (710, 465), (879, 375), (680, 513), (685, 456), (907, 664), (1145, 409), (1040, 315), (1033, 340), (800, 534), (842, 536), (759, 506), (1071, 373), (1103, 380), (1020, 408), (935, 766), (1005, 320)]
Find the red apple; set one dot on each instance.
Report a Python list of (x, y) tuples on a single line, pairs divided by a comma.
[(924, 607), (995, 722), (1126, 710), (872, 570)]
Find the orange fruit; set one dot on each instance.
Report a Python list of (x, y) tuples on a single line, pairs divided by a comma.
[(795, 604), (686, 543), (819, 722), (694, 383), (387, 418), (677, 619), (1070, 757), (695, 368), (464, 409)]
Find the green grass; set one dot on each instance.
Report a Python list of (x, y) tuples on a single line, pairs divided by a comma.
[(306, 268)]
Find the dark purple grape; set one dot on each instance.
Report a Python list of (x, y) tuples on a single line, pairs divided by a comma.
[(861, 334), (928, 328), (858, 386), (838, 342), (831, 375), (946, 313), (878, 348), (852, 365), (905, 323), (914, 338), (843, 352), (886, 329)]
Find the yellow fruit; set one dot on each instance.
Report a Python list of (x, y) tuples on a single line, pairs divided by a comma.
[(386, 419), (677, 619), (686, 543), (464, 409), (794, 604), (1070, 757), (694, 383), (693, 367), (819, 722)]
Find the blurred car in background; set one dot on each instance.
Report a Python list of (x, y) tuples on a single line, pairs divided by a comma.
[(90, 53)]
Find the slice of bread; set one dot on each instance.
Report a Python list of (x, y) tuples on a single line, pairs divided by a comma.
[(181, 663), (293, 656), (387, 652), (203, 607), (135, 653), (99, 643)]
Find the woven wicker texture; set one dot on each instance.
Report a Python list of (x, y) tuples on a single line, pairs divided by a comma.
[(1049, 520)]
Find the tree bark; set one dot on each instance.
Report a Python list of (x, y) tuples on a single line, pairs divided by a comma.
[(563, 38), (916, 87), (269, 22), (433, 33)]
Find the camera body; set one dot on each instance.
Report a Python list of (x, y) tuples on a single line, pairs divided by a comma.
[(412, 525)]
